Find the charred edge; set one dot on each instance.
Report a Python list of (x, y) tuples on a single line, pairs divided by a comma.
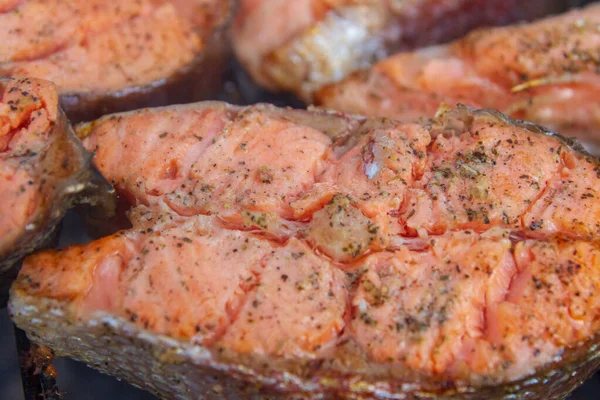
[(231, 7), (37, 372)]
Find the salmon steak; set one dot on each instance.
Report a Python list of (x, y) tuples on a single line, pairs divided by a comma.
[(302, 45), (291, 254), (44, 170), (546, 71), (114, 55)]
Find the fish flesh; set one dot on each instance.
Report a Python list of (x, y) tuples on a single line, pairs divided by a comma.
[(546, 72), (44, 170), (303, 45), (112, 55), (300, 254)]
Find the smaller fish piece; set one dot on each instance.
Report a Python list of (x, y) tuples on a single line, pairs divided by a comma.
[(299, 46), (44, 170), (547, 72), (112, 55)]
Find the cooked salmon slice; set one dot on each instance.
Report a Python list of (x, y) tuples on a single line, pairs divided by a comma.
[(302, 45), (128, 52), (410, 179), (118, 58), (43, 169), (98, 45), (545, 71), (304, 250)]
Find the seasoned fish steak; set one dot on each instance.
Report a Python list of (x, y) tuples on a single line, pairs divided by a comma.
[(306, 254), (113, 55)]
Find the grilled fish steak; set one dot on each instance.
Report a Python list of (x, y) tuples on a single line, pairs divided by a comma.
[(285, 254), (546, 72), (113, 55), (303, 45), (44, 171)]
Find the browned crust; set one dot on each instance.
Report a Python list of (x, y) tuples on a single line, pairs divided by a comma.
[(71, 179), (201, 79)]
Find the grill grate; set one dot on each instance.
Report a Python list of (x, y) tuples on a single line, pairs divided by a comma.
[(37, 372)]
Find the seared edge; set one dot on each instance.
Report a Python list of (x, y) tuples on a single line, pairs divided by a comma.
[(175, 370)]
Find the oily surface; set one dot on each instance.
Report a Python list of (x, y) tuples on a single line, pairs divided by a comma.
[(437, 248), (101, 46), (545, 71), (302, 45)]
